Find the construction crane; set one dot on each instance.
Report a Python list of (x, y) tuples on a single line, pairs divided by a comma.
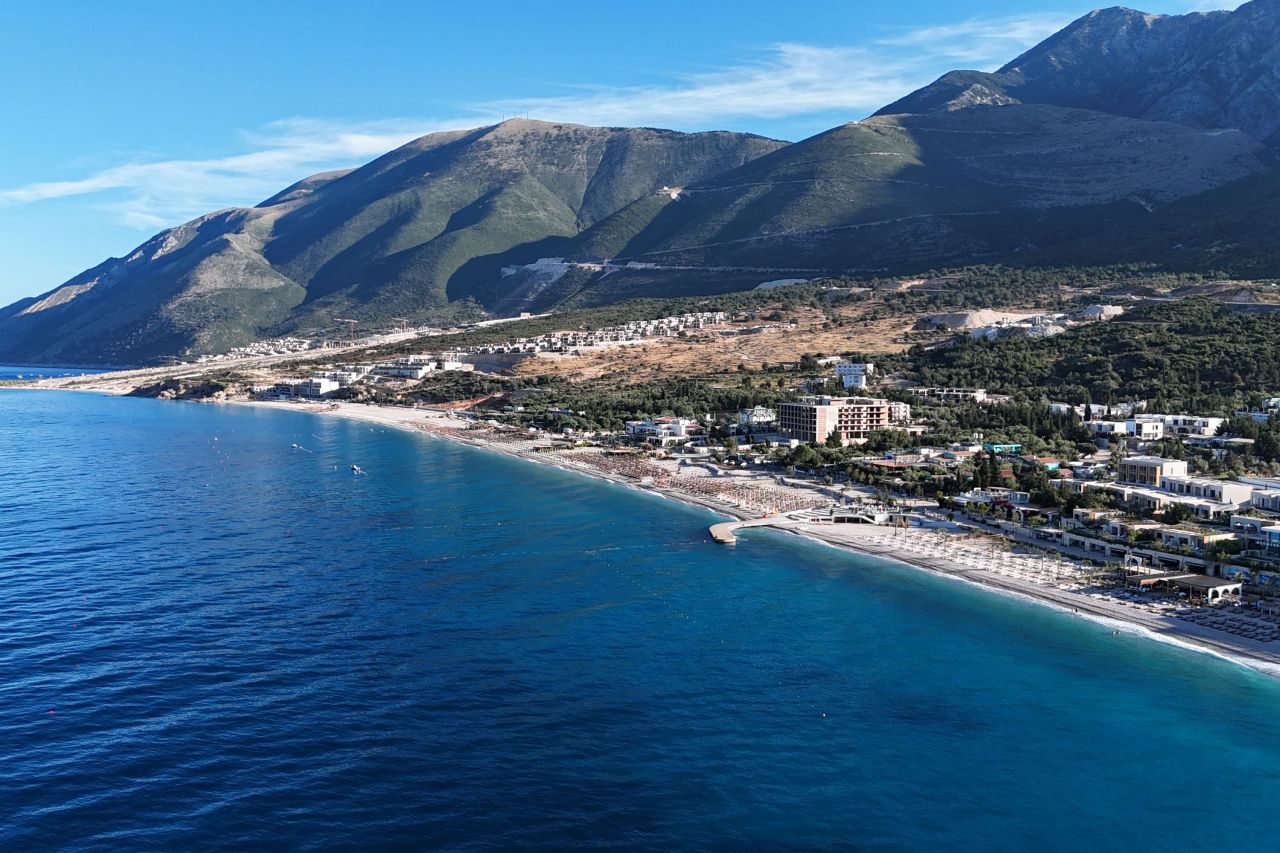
[(404, 323), (351, 327)]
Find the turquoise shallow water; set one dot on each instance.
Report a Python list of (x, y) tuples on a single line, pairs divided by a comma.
[(245, 646)]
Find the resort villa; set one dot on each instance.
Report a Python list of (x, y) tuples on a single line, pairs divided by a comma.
[(663, 431)]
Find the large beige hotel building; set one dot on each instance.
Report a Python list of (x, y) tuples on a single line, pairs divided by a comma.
[(814, 419)]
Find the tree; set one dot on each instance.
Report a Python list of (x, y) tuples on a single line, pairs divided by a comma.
[(834, 441), (805, 455), (1267, 445)]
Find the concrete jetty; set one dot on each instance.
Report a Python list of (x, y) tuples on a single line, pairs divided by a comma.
[(724, 531)]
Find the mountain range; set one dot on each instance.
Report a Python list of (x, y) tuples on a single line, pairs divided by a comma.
[(1110, 136)]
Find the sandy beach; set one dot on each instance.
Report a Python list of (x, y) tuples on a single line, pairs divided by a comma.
[(965, 556)]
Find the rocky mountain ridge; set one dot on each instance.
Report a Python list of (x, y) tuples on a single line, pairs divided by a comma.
[(1121, 121), (1206, 69)]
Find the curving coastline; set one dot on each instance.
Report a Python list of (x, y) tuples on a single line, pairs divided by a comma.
[(857, 539)]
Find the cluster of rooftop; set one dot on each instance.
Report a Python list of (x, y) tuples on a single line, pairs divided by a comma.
[(634, 331), (325, 382), (1154, 484), (275, 346)]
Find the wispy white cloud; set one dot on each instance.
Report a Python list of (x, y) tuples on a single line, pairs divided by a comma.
[(797, 79), (983, 42), (782, 82), (162, 192), (787, 80)]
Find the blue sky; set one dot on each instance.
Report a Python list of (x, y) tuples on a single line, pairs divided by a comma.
[(126, 118)]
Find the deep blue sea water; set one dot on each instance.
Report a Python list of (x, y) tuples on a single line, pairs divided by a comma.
[(8, 372), (211, 641)]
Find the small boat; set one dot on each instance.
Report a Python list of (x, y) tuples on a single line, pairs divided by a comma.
[(356, 469)]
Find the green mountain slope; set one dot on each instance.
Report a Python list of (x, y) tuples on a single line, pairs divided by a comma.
[(416, 233), (897, 191), (1228, 231)]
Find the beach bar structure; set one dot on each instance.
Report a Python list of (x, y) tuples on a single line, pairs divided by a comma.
[(1195, 585)]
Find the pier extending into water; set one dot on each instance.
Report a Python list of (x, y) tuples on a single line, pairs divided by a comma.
[(725, 530)]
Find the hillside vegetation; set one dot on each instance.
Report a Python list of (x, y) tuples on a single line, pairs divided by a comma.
[(1190, 355)]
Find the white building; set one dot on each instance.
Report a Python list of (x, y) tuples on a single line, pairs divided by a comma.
[(1149, 470), (403, 370), (316, 386), (758, 418), (1106, 429), (1142, 429), (349, 375), (1219, 491), (1145, 429), (664, 431), (1190, 425), (453, 361), (1267, 499), (953, 395), (854, 376), (1264, 413), (286, 389)]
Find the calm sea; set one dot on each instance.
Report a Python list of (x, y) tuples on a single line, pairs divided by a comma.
[(11, 372), (210, 640)]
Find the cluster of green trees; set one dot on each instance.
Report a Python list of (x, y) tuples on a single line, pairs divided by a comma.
[(1191, 355), (1001, 286), (606, 405), (1266, 436)]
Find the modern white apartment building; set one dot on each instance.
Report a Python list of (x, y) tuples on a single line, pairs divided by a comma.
[(1145, 429), (953, 395), (1190, 425), (316, 386), (1221, 491), (854, 376), (1142, 429)]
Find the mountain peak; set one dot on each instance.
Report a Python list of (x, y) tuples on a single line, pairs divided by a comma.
[(1205, 70), (521, 124)]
